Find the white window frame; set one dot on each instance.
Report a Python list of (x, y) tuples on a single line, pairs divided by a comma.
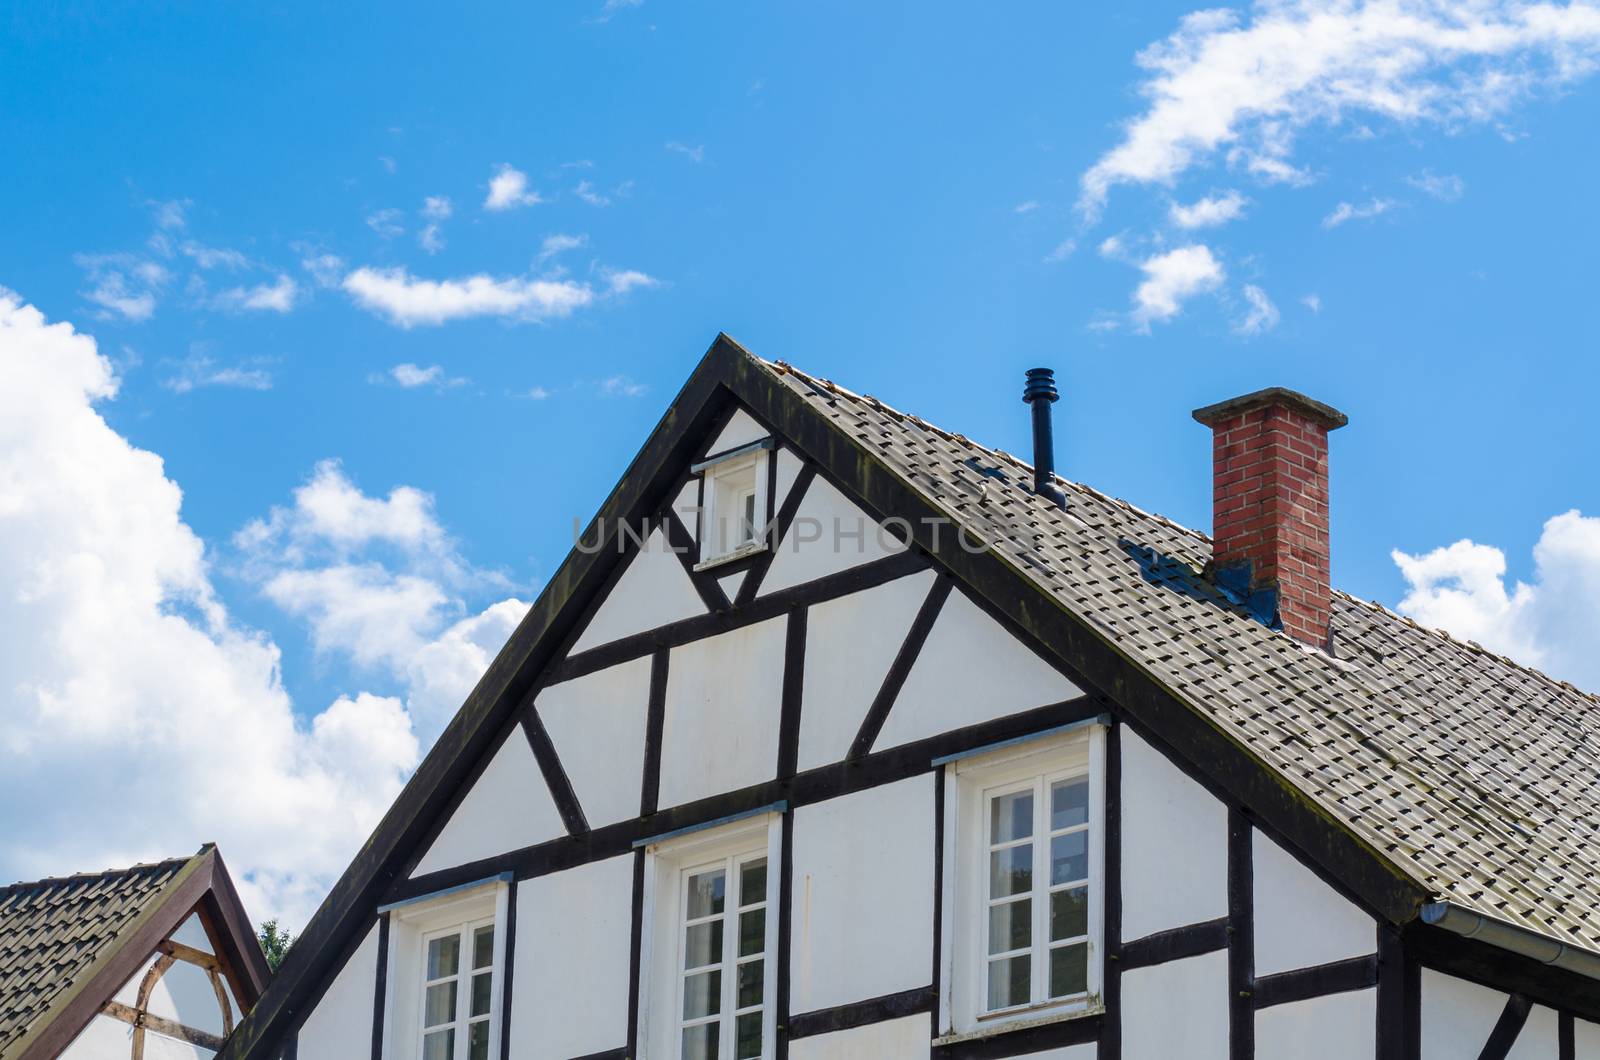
[(668, 864), (411, 926), (714, 548), (970, 782)]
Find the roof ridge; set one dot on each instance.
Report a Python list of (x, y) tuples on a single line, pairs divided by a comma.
[(57, 881)]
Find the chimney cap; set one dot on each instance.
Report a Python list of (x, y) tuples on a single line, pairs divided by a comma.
[(1328, 416)]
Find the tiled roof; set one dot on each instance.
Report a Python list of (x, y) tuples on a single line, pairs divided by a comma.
[(53, 931), (1477, 777)]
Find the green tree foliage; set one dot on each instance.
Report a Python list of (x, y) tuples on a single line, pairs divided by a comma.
[(275, 942)]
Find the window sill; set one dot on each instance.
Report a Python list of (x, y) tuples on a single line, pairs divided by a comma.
[(742, 552), (1022, 1022)]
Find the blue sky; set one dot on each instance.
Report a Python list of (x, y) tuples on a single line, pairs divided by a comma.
[(245, 207)]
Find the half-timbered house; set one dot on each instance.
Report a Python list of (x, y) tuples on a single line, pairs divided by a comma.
[(840, 735), (155, 962)]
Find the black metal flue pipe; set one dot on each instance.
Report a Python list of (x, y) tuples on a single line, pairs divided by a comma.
[(1040, 393)]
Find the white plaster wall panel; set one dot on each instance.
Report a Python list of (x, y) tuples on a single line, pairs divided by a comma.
[(192, 933), (850, 644), (1177, 1009), (340, 1026), (597, 725), (1066, 1052), (742, 429), (863, 870), (829, 534), (509, 807), (902, 1039), (1301, 921), (1336, 1027), (1457, 1016), (1539, 1038), (1586, 1038), (687, 507), (969, 670), (1172, 830), (103, 1038), (653, 591), (570, 987), (185, 995), (731, 583), (787, 470), (721, 726)]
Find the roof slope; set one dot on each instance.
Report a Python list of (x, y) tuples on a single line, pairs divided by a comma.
[(52, 931), (1477, 777)]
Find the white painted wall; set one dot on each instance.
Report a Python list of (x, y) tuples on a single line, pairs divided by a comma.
[(653, 591), (850, 644), (902, 1039), (340, 1027), (686, 507), (723, 701), (1337, 1027), (1067, 1052), (1177, 1009), (1457, 1016), (508, 808), (829, 534), (570, 987), (970, 670), (1300, 920), (105, 1038), (1586, 1037), (1174, 845), (788, 470), (742, 429), (1539, 1038), (862, 920), (597, 724)]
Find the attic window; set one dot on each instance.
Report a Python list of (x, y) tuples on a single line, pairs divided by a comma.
[(735, 504)]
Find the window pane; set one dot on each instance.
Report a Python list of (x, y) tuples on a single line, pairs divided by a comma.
[(482, 984), (752, 932), (753, 882), (1069, 804), (1069, 857), (440, 1045), (478, 1041), (1069, 913), (439, 1006), (1011, 870), (706, 893), (751, 976), (1010, 926), (1069, 969), (444, 956), (702, 994), (483, 946), (1010, 817), (703, 945), (1009, 982), (747, 1039), (700, 1043), (747, 531)]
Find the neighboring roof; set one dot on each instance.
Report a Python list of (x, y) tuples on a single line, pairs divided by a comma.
[(1478, 777), (1408, 766), (65, 940)]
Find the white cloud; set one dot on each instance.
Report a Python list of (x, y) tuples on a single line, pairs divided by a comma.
[(1061, 251), (277, 297), (213, 257), (609, 11), (408, 301), (1112, 247), (1312, 302), (122, 284), (508, 189), (386, 223), (537, 393), (437, 207), (1445, 188), (127, 682), (621, 386), (326, 269), (1349, 212), (329, 510), (586, 191), (560, 244), (1247, 85), (1263, 315), (387, 163), (1548, 623), (1172, 279), (621, 281), (1208, 212), (1025, 207), (696, 153), (171, 215), (429, 239), (200, 370), (411, 376)]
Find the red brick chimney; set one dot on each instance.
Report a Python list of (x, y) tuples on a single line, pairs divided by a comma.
[(1269, 506)]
